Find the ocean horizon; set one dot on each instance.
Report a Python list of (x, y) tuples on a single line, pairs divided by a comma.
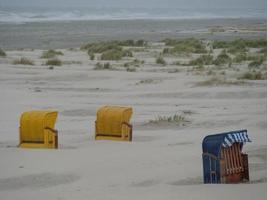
[(22, 14)]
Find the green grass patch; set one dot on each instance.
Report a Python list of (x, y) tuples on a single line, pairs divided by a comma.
[(222, 58), (2, 53), (115, 54), (216, 81), (51, 54), (54, 62), (23, 61), (239, 45), (256, 63), (174, 119), (253, 76), (202, 60), (240, 57), (160, 60), (189, 45)]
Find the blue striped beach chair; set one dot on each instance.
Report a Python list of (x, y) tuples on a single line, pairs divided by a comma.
[(223, 160)]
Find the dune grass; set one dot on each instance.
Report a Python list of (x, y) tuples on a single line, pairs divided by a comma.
[(189, 45), (134, 63), (216, 81), (174, 119), (256, 63), (202, 60), (240, 57), (51, 54), (54, 62), (240, 44), (254, 75), (23, 61), (161, 61), (112, 50), (2, 53), (222, 59), (114, 54), (100, 47)]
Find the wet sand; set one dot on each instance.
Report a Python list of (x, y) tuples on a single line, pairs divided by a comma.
[(45, 35)]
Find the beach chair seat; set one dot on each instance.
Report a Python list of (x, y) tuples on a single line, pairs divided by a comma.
[(37, 129), (113, 123)]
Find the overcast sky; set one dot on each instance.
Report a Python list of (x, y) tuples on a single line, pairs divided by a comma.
[(139, 3)]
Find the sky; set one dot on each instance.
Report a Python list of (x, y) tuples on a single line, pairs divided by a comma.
[(138, 3)]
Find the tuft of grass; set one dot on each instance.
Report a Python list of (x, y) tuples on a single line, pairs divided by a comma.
[(215, 81), (256, 63), (105, 66), (202, 60), (101, 47), (160, 60), (240, 57), (174, 119), (54, 62), (145, 81), (130, 69), (263, 50), (134, 63), (253, 76), (189, 45), (23, 61), (92, 56), (112, 55), (240, 44), (51, 54), (2, 53), (222, 58)]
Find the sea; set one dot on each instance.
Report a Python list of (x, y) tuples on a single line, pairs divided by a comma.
[(22, 14)]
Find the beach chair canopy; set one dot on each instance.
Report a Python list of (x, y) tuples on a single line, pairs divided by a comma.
[(213, 143), (113, 121), (36, 127)]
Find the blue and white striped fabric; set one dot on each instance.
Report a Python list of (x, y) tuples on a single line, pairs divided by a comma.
[(231, 138)]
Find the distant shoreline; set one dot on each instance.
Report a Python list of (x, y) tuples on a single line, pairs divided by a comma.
[(72, 34)]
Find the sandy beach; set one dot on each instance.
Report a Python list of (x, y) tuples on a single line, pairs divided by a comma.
[(164, 159)]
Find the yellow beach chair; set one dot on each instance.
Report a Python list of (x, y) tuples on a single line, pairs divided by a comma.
[(37, 130), (113, 123)]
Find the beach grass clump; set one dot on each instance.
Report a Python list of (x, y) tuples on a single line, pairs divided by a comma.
[(256, 63), (254, 75), (51, 54), (53, 62), (174, 119), (239, 45), (202, 60), (222, 58), (109, 50), (189, 45), (103, 66), (112, 54), (131, 69), (134, 63), (2, 53), (263, 50), (240, 57), (216, 81), (100, 47), (132, 43), (23, 61), (160, 60)]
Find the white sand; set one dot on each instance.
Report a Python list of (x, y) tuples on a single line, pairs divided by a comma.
[(162, 162)]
